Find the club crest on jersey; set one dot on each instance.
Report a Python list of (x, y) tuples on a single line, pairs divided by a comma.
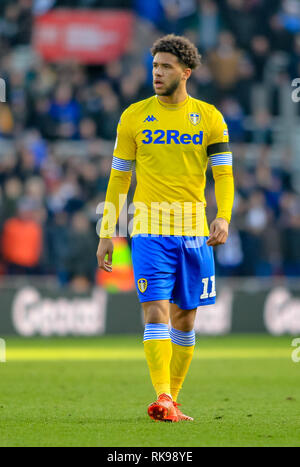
[(194, 118), (142, 285)]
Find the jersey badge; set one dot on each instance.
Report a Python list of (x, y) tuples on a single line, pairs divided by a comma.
[(142, 285), (194, 118)]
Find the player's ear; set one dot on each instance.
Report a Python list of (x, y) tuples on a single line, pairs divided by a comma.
[(187, 73)]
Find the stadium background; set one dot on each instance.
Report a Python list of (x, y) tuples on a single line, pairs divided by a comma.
[(69, 74), (64, 98)]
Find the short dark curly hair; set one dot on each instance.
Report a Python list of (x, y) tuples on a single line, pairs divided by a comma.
[(181, 46)]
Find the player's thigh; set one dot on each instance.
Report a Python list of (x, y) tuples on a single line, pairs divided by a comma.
[(182, 320), (154, 262)]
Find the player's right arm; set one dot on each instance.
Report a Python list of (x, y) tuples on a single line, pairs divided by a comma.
[(117, 190)]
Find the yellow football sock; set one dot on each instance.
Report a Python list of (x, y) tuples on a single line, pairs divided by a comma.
[(181, 358), (158, 354)]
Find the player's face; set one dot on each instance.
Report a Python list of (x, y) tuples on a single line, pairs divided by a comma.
[(168, 73)]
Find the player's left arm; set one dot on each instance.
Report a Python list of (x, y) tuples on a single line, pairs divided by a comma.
[(219, 153)]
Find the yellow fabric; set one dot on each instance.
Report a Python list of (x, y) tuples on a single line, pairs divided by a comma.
[(169, 145), (224, 190), (181, 359), (119, 183), (158, 355)]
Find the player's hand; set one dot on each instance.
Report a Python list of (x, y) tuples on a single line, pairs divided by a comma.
[(106, 247), (218, 232)]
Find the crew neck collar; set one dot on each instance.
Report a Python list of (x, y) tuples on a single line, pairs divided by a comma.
[(173, 106)]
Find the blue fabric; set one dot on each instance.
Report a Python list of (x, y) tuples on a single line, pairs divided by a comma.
[(152, 11), (121, 164), (65, 113), (221, 159), (156, 331), (186, 339), (179, 269)]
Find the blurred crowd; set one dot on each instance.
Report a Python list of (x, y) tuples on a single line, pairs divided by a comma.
[(58, 126)]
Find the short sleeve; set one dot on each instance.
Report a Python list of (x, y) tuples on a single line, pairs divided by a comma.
[(125, 145), (218, 137)]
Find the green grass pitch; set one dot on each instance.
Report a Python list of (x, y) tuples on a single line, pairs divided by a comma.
[(241, 390)]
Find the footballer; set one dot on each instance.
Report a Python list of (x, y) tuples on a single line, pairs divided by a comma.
[(170, 138)]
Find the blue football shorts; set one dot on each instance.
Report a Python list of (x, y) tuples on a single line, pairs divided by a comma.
[(178, 269)]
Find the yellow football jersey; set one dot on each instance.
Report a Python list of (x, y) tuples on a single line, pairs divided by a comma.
[(171, 145)]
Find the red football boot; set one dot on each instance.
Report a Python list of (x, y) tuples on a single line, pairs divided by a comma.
[(163, 409), (181, 415)]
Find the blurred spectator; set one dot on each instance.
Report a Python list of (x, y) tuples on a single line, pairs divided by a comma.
[(259, 51), (87, 129), (224, 62), (42, 6), (243, 18), (244, 84), (41, 119), (234, 117), (261, 131), (22, 239), (229, 257), (178, 15), (9, 24), (255, 222), (150, 11), (205, 89), (108, 117), (58, 245), (80, 261), (280, 37), (11, 194), (289, 15), (18, 100), (294, 63), (290, 222), (271, 185), (6, 120), (38, 147), (209, 25), (25, 21), (65, 112)]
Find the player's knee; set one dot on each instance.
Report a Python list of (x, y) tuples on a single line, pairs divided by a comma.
[(184, 326), (183, 321), (156, 313)]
